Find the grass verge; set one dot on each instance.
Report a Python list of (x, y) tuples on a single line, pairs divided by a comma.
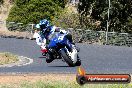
[(50, 81), (62, 84), (6, 58)]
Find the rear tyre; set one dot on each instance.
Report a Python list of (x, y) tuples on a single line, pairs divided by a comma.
[(67, 58)]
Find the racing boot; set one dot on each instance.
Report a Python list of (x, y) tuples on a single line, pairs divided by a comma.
[(49, 57)]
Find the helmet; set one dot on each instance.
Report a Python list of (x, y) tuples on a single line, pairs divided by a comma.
[(44, 23)]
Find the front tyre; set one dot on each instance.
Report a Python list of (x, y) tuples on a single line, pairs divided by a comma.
[(67, 58)]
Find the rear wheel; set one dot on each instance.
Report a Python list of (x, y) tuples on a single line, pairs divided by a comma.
[(67, 58)]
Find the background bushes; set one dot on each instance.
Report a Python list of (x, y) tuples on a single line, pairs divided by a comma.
[(26, 11)]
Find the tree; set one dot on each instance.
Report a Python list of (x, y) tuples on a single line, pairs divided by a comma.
[(26, 11), (61, 3), (120, 13), (1, 2)]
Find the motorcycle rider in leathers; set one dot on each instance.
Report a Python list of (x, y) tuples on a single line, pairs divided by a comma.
[(47, 31)]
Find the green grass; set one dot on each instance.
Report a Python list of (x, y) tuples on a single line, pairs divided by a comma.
[(58, 84), (6, 58)]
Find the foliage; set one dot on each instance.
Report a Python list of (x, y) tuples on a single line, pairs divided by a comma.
[(1, 2), (6, 58), (67, 18), (27, 11), (120, 13), (62, 84), (61, 3)]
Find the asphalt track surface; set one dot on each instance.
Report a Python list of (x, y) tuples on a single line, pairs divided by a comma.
[(95, 58)]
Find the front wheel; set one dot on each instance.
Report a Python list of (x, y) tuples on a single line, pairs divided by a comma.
[(67, 58)]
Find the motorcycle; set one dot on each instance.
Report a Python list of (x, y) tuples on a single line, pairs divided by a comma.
[(60, 48)]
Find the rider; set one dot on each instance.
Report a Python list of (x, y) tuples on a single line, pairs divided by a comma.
[(47, 30)]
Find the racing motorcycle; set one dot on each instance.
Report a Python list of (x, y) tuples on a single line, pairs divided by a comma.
[(60, 48)]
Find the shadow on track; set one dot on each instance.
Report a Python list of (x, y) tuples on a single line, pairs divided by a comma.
[(42, 57), (59, 66)]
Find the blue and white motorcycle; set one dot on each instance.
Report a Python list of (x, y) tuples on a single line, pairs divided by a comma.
[(60, 48)]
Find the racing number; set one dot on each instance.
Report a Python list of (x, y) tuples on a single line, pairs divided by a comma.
[(60, 37)]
